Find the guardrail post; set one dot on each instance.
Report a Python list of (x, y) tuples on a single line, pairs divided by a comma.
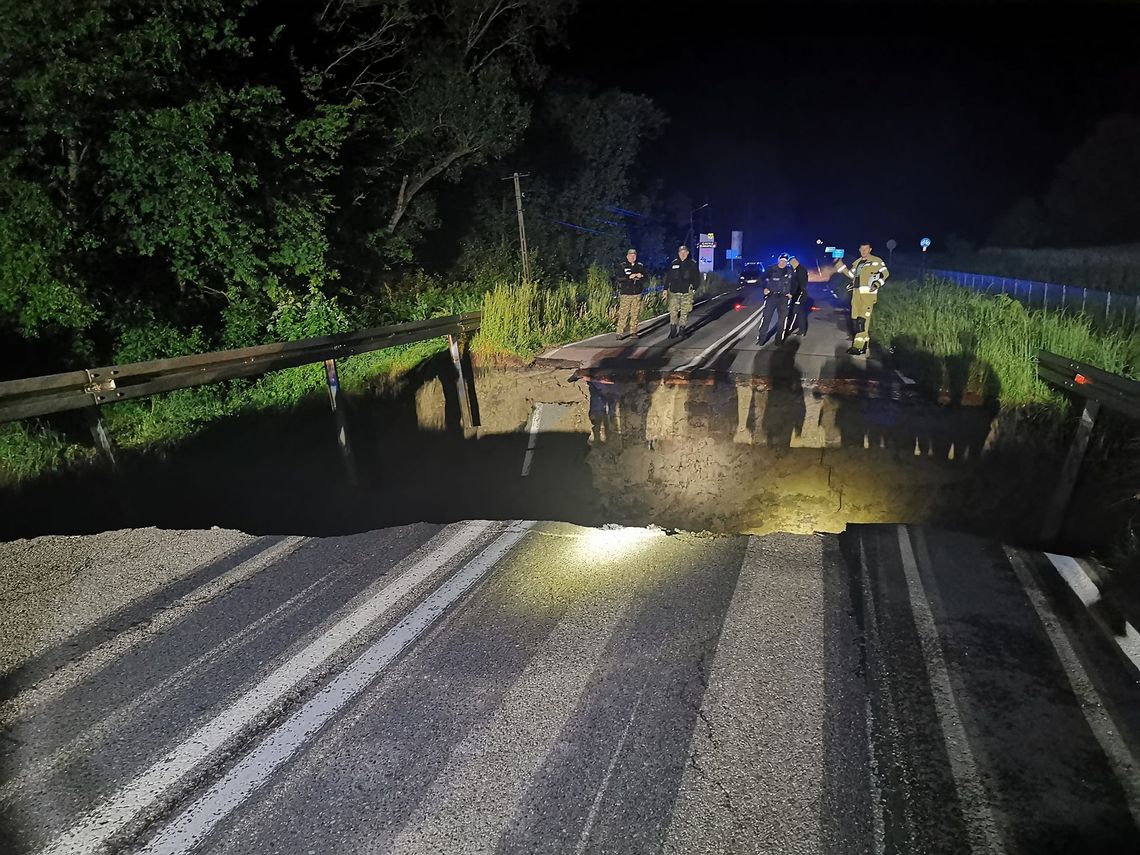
[(333, 381), (465, 412), (99, 434), (1055, 515)]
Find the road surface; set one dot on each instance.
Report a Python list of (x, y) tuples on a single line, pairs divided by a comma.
[(721, 338), (516, 687)]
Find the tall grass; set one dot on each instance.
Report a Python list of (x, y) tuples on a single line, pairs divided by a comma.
[(951, 337), (523, 319)]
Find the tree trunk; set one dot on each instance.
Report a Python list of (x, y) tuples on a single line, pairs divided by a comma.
[(72, 177), (409, 191)]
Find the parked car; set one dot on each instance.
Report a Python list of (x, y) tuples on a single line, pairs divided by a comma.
[(752, 274)]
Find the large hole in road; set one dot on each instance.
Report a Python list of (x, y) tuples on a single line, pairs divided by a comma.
[(707, 454)]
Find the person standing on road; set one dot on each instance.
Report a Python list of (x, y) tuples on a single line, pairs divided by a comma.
[(867, 275), (629, 276), (681, 281), (778, 286), (797, 319)]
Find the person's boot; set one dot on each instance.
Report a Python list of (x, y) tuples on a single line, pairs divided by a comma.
[(672, 330), (681, 331)]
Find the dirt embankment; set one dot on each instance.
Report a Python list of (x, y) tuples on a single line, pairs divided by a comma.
[(751, 456), (706, 454)]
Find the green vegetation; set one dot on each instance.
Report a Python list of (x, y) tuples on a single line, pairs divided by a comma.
[(197, 175), (522, 320), (952, 338)]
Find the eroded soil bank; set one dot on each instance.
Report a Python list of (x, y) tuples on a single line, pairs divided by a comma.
[(712, 454)]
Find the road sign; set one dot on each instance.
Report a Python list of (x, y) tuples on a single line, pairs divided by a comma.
[(891, 244), (925, 244), (730, 254), (705, 252)]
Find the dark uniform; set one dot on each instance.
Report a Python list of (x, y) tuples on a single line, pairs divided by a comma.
[(681, 281), (779, 284), (797, 322)]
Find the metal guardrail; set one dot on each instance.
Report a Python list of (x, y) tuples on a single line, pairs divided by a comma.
[(1098, 388), (1088, 381), (73, 390)]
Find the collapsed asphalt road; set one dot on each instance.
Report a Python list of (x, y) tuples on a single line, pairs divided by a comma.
[(517, 687)]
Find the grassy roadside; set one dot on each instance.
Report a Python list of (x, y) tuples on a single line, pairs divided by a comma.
[(36, 446), (522, 320), (951, 339), (519, 320), (954, 339)]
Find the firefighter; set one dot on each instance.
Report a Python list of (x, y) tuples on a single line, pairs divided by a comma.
[(867, 275), (681, 281)]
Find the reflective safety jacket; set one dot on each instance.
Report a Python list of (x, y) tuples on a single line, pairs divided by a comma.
[(868, 274)]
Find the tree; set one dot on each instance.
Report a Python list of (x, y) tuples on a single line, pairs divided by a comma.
[(1095, 197), (584, 198), (154, 171), (445, 87)]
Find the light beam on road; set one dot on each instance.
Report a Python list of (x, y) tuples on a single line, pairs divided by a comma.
[(599, 544)]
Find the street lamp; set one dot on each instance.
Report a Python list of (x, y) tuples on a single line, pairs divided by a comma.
[(689, 242)]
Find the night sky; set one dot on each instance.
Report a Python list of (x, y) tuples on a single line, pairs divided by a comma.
[(966, 107)]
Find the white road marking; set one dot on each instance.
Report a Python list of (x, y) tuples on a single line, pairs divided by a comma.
[(535, 419), (76, 671), (87, 741), (878, 820), (981, 827), (592, 816), (1123, 764), (95, 828), (1085, 588), (193, 824), (729, 338)]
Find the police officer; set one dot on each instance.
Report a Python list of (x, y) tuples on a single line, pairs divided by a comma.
[(681, 281), (779, 284), (867, 275), (797, 319), (629, 276)]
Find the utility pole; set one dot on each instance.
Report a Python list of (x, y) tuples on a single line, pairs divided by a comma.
[(523, 250)]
